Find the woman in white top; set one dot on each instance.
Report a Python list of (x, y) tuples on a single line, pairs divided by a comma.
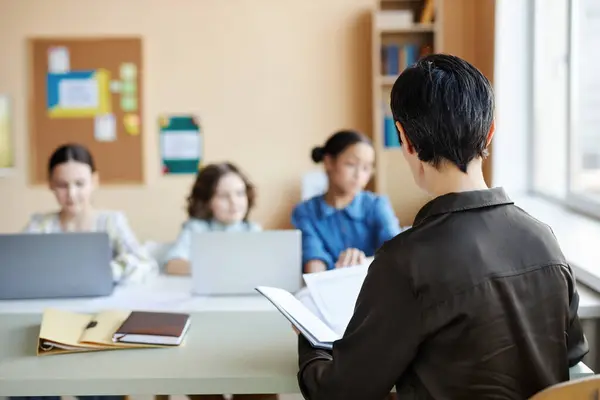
[(73, 178)]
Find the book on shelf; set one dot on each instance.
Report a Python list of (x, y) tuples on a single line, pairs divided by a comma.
[(428, 13), (322, 310), (395, 58), (390, 133)]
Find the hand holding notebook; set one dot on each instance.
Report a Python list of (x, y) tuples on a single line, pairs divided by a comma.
[(322, 310), (310, 326)]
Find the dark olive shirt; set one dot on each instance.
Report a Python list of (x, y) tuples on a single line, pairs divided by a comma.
[(475, 301)]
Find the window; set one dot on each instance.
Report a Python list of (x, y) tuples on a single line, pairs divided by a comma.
[(584, 174), (566, 102)]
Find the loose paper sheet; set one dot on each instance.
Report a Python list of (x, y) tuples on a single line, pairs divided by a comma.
[(59, 61), (105, 128), (306, 322), (78, 93), (6, 147), (181, 145), (335, 293)]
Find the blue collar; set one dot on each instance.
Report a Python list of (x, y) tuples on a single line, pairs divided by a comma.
[(354, 210)]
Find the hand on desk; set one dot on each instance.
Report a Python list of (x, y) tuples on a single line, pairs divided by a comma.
[(178, 266), (314, 266), (350, 257)]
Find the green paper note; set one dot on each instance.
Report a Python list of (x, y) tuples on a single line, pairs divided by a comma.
[(129, 103)]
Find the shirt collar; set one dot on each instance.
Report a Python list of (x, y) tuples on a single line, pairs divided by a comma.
[(462, 201), (219, 226), (354, 210)]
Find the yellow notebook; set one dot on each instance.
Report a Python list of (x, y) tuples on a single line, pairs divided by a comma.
[(68, 332)]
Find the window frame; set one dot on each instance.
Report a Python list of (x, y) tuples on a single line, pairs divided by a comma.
[(574, 200), (571, 199)]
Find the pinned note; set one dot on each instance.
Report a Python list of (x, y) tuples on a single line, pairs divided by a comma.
[(129, 103), (129, 87), (58, 60), (115, 86), (128, 71), (132, 124), (180, 143), (105, 128)]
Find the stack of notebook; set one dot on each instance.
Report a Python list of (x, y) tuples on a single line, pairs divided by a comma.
[(68, 332)]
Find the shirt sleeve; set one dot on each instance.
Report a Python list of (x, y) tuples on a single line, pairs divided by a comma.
[(577, 345), (379, 344), (181, 247), (386, 223), (131, 262), (312, 246), (34, 225)]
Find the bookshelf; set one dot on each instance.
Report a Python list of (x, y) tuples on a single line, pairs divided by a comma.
[(402, 32)]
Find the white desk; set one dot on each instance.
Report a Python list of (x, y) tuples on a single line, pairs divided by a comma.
[(224, 352), (163, 293), (169, 293), (235, 344)]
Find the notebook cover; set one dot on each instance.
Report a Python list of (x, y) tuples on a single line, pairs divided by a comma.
[(153, 324)]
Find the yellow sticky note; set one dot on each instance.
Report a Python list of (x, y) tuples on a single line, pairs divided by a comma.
[(163, 121), (132, 124)]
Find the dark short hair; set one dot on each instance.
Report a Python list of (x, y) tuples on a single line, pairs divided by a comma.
[(446, 107), (70, 152), (205, 186), (337, 143)]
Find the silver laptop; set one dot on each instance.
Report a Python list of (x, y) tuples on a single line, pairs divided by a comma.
[(55, 265), (235, 263)]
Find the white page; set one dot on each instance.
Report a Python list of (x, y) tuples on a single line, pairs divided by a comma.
[(78, 93), (181, 145), (59, 60), (105, 128), (335, 292), (304, 296), (305, 321)]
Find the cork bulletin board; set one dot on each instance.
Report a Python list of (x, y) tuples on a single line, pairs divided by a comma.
[(88, 91)]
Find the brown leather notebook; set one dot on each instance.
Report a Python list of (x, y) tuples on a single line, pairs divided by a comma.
[(153, 328)]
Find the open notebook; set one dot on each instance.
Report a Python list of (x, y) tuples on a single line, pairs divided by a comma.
[(322, 310), (68, 332)]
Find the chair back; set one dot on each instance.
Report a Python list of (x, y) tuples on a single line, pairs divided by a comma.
[(578, 389), (314, 183)]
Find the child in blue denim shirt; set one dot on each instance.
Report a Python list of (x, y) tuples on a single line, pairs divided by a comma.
[(346, 224)]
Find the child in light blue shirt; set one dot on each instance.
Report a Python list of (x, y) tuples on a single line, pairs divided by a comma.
[(221, 200)]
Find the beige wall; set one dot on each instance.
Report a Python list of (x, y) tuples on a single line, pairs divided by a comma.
[(268, 78), (469, 32)]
